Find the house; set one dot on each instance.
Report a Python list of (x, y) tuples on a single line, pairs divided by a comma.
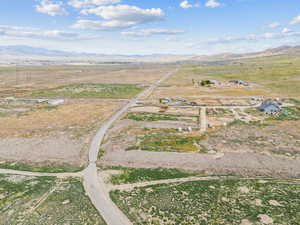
[(270, 107), (239, 82)]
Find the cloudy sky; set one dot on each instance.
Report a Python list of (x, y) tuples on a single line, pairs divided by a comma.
[(151, 26)]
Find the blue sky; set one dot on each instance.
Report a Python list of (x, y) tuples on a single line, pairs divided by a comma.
[(152, 26)]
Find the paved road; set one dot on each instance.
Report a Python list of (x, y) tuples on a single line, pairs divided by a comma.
[(94, 185)]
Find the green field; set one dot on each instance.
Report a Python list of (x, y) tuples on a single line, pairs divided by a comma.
[(45, 200), (91, 91), (213, 202)]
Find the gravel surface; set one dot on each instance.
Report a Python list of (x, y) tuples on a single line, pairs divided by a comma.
[(45, 149), (245, 164)]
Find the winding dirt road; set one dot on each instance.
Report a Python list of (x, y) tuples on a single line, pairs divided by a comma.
[(93, 184)]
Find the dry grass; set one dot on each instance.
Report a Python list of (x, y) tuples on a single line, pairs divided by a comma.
[(190, 92), (54, 76), (270, 76), (75, 116)]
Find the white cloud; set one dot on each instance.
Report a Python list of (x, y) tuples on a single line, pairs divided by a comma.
[(186, 5), (274, 25), (212, 4), (249, 38), (51, 8), (34, 33), (295, 20), (286, 30), (90, 3), (149, 32), (101, 25), (118, 16)]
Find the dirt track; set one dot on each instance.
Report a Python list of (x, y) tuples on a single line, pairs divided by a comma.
[(245, 164)]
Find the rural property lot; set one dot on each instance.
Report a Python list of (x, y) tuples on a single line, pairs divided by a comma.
[(58, 135), (45, 200), (271, 76), (238, 139), (35, 132)]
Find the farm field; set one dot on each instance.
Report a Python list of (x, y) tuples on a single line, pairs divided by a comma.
[(223, 201), (45, 200)]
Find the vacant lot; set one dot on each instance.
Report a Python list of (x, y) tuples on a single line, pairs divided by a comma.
[(167, 140), (273, 137), (214, 202), (59, 134), (45, 200)]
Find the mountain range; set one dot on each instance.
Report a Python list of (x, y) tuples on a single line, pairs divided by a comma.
[(28, 52)]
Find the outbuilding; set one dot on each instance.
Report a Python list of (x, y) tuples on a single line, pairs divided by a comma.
[(239, 82)]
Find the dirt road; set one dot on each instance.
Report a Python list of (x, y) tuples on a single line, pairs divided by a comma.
[(128, 187), (95, 187), (244, 163), (37, 174)]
